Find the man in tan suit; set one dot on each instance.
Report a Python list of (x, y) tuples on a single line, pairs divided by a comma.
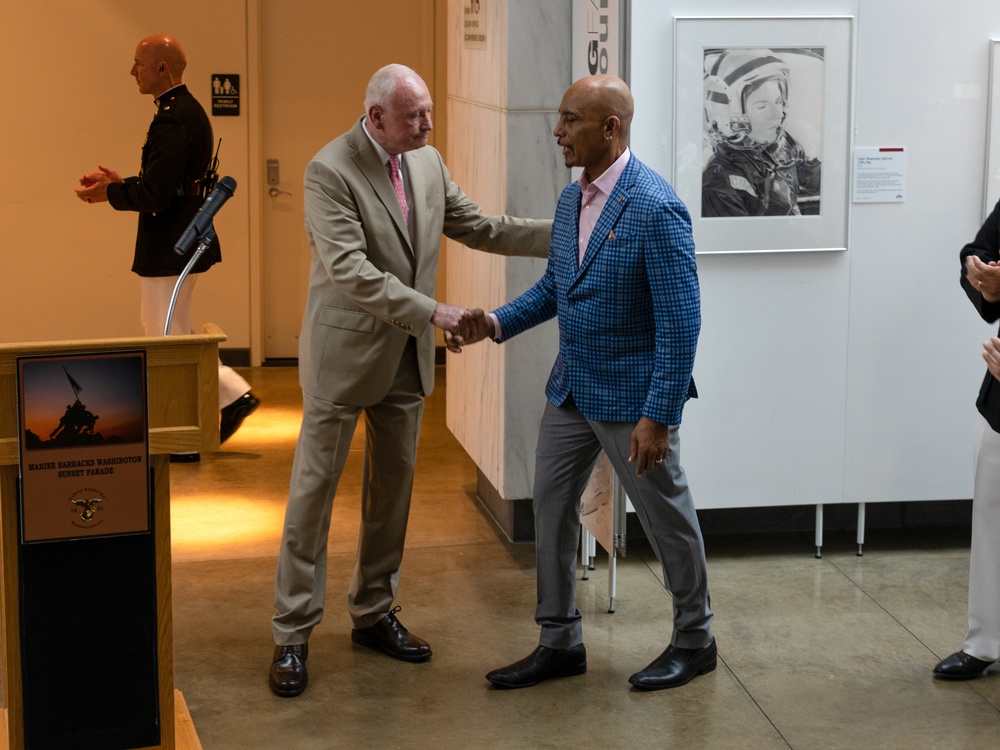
[(377, 200)]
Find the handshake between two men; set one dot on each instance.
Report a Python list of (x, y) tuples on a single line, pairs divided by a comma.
[(462, 326)]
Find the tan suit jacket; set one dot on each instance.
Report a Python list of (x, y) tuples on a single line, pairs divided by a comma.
[(371, 288), (371, 285)]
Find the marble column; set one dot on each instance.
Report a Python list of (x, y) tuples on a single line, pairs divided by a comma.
[(503, 100)]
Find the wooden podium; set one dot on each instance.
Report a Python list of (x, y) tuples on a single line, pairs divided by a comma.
[(183, 415)]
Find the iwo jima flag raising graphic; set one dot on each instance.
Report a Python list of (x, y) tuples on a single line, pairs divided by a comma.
[(84, 464)]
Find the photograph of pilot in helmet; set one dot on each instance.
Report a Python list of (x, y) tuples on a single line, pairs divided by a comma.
[(755, 167)]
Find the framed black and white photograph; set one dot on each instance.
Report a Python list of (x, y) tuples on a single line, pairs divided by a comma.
[(991, 191), (762, 131)]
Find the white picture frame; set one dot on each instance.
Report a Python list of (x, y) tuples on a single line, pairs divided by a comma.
[(991, 190), (819, 53)]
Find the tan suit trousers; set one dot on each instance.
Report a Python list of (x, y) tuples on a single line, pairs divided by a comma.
[(392, 429)]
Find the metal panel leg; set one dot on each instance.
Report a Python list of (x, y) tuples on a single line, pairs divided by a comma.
[(612, 579), (819, 530), (585, 540), (861, 529)]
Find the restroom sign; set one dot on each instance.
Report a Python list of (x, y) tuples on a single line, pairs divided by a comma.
[(225, 94)]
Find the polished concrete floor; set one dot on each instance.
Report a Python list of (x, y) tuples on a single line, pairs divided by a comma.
[(813, 653)]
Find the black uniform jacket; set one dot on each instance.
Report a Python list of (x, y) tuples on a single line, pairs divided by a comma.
[(987, 247), (175, 156)]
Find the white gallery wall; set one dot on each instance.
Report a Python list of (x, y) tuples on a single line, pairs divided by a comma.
[(830, 377)]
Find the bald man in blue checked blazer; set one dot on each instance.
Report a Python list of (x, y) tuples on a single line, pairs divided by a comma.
[(627, 301)]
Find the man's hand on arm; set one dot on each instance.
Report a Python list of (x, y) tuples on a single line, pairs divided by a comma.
[(650, 445), (991, 353), (984, 276)]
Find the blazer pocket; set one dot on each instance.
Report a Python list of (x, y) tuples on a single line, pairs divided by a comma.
[(349, 320), (620, 236)]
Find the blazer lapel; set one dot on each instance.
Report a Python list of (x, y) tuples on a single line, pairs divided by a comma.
[(418, 184), (367, 159), (604, 229)]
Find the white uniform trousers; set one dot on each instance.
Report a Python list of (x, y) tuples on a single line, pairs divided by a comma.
[(983, 640), (156, 293)]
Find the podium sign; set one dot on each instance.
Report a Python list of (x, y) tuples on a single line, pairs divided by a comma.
[(84, 466), (87, 553), (86, 636)]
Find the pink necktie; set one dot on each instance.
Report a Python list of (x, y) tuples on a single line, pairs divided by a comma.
[(397, 185)]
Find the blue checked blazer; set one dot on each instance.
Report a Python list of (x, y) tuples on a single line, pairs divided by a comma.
[(629, 314)]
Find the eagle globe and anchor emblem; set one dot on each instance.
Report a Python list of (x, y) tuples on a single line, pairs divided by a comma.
[(87, 503)]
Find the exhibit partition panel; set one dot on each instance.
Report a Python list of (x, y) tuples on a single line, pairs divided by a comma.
[(85, 535), (847, 374)]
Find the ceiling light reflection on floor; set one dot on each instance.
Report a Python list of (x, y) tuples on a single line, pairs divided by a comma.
[(272, 425), (217, 521)]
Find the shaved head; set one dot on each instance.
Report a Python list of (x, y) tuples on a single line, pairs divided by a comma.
[(159, 64), (607, 96), (167, 50), (594, 121)]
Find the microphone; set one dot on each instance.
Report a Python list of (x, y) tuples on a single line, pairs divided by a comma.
[(202, 220)]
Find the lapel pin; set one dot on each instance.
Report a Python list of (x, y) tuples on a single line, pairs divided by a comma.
[(611, 235)]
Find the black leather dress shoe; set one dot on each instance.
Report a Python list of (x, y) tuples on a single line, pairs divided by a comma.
[(960, 666), (390, 637), (234, 414), (540, 665), (675, 667), (288, 676), (185, 458)]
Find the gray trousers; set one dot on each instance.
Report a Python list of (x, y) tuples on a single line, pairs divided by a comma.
[(392, 429), (568, 446), (983, 639)]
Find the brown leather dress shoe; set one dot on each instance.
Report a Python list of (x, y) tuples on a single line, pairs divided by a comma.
[(288, 676), (390, 637)]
